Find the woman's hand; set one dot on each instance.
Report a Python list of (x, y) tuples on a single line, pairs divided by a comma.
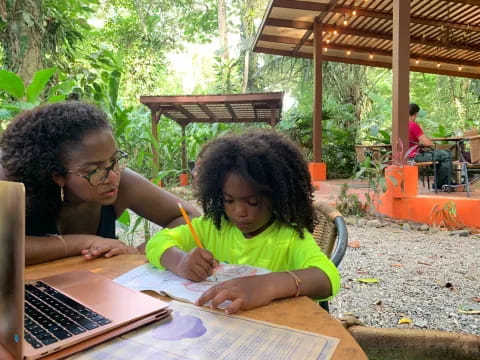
[(108, 248), (196, 265), (245, 293)]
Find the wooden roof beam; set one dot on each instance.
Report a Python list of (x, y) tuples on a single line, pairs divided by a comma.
[(384, 36), (232, 112), (185, 112), (413, 19), (207, 111), (361, 49), (325, 8), (370, 63)]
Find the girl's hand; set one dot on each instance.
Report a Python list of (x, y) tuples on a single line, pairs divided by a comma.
[(108, 248), (245, 293), (196, 265)]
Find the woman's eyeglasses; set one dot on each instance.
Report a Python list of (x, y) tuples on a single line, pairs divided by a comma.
[(100, 175)]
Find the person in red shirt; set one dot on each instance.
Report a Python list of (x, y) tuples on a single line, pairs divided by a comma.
[(424, 149)]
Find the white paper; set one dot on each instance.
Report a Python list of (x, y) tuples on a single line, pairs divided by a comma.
[(199, 333), (147, 277)]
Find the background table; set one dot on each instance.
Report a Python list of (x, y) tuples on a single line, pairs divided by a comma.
[(299, 313)]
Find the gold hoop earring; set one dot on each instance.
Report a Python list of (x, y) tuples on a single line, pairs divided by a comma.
[(61, 193)]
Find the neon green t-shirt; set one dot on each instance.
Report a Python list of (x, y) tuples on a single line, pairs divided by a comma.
[(277, 248)]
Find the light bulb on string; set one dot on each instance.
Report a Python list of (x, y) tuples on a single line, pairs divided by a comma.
[(460, 68), (438, 64), (370, 56), (417, 61), (348, 52)]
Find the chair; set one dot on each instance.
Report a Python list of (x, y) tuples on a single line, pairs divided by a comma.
[(471, 163), (330, 234), (330, 231), (426, 168)]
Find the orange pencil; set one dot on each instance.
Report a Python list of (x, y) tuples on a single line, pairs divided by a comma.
[(192, 230)]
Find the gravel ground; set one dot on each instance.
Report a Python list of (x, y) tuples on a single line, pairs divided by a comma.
[(425, 276)]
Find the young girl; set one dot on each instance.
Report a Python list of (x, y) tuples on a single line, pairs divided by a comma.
[(256, 195)]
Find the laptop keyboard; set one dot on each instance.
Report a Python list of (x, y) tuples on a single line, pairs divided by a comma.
[(51, 316)]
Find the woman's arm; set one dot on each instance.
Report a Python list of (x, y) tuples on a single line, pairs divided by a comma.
[(150, 201), (39, 249), (253, 291)]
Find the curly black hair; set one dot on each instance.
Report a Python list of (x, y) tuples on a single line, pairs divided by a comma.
[(36, 144), (272, 164)]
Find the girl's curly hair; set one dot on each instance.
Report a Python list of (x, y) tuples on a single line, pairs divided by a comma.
[(273, 165), (36, 144)]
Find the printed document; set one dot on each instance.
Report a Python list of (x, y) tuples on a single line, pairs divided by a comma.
[(194, 332)]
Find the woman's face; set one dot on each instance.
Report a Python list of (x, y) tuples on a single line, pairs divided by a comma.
[(96, 151), (243, 206)]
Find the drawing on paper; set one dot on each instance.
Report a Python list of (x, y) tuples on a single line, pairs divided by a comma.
[(223, 273), (181, 327)]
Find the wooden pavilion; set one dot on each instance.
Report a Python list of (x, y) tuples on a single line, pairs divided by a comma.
[(234, 108), (432, 36)]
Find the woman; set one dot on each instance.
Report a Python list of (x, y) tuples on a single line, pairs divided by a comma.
[(66, 156)]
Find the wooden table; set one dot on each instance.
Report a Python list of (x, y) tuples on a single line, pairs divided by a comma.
[(300, 313), (458, 140)]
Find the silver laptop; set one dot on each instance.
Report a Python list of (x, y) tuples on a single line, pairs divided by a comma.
[(62, 314)]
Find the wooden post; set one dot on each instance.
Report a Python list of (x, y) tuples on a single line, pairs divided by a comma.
[(156, 114), (272, 117), (401, 73), (184, 149), (317, 92)]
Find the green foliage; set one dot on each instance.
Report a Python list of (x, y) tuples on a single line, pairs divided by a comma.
[(12, 84), (227, 78), (349, 204), (374, 172), (17, 96)]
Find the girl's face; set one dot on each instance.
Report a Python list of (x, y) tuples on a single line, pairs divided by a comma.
[(96, 151), (243, 206)]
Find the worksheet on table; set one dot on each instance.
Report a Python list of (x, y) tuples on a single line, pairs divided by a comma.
[(147, 277), (195, 332)]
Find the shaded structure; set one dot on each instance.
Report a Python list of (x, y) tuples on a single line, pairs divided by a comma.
[(434, 36), (236, 108)]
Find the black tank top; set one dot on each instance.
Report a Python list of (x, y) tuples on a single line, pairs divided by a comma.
[(38, 225)]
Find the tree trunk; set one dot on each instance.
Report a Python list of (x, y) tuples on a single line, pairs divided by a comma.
[(222, 28), (22, 37)]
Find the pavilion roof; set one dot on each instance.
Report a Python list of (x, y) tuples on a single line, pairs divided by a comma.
[(444, 34), (233, 108)]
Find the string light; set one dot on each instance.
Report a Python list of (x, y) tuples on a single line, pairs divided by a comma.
[(370, 56), (460, 67), (325, 49), (327, 41), (354, 12), (348, 52), (438, 64), (335, 32), (417, 61), (345, 21)]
